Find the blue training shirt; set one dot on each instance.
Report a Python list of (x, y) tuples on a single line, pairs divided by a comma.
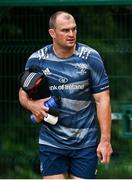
[(74, 79)]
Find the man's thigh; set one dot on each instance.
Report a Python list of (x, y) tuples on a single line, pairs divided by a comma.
[(59, 176)]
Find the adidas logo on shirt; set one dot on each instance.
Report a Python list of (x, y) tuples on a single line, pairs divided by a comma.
[(47, 71)]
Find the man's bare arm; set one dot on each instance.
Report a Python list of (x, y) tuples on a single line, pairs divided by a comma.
[(35, 106), (103, 106)]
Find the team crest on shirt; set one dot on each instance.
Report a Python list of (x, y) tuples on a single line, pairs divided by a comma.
[(82, 68)]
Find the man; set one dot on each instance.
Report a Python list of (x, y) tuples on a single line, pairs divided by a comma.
[(75, 73)]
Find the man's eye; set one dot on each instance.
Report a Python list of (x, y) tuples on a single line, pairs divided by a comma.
[(75, 29), (65, 30)]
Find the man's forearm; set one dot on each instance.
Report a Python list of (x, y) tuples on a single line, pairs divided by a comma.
[(104, 118), (24, 99), (104, 115), (104, 149)]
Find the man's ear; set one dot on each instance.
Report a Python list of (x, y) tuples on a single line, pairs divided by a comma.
[(52, 33)]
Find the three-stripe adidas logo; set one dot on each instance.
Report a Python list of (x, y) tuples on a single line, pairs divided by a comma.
[(47, 71)]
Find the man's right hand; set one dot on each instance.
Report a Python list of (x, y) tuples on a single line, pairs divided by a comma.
[(35, 106)]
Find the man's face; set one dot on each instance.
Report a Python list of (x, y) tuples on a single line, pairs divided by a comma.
[(64, 33)]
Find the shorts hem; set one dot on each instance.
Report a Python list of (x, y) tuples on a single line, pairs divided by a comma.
[(55, 173)]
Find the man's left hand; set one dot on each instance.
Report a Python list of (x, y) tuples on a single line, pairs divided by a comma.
[(104, 151)]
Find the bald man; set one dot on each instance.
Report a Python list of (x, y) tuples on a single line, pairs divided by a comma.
[(76, 74)]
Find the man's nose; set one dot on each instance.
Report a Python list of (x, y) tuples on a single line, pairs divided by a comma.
[(71, 33)]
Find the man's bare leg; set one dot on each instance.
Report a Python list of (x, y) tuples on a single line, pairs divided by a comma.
[(58, 176)]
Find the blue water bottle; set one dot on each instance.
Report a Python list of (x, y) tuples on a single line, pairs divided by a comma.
[(52, 116)]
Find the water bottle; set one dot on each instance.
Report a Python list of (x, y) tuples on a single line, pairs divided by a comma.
[(52, 116)]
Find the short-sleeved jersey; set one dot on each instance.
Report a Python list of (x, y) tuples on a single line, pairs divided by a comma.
[(75, 80)]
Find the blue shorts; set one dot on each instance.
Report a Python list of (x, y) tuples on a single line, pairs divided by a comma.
[(80, 162)]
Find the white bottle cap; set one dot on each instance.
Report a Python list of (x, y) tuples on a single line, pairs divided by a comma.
[(51, 119)]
